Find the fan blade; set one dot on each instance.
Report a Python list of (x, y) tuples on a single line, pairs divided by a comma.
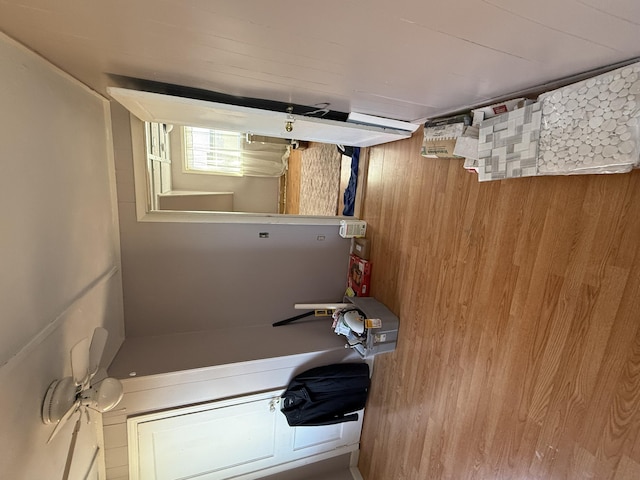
[(98, 343), (65, 418), (99, 376), (80, 361)]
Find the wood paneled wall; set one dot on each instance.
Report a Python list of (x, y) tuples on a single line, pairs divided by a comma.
[(519, 306), (292, 183)]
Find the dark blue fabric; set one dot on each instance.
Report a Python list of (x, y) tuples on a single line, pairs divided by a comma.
[(352, 186)]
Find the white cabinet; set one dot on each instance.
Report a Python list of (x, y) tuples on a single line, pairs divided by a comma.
[(245, 437)]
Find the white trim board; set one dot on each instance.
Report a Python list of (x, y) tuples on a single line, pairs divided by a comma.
[(169, 109)]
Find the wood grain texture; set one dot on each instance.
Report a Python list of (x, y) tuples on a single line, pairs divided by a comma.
[(292, 183), (519, 306)]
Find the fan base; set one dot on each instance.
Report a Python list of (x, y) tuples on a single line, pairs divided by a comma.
[(59, 398)]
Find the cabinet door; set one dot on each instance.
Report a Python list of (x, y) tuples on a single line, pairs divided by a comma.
[(227, 439)]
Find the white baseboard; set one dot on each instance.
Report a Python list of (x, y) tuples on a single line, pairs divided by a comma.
[(353, 465), (355, 473)]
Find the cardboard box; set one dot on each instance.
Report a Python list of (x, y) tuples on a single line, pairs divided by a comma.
[(440, 136), (359, 279), (439, 148), (463, 119), (360, 247)]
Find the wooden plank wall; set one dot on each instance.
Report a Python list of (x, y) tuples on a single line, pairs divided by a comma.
[(292, 183), (519, 306)]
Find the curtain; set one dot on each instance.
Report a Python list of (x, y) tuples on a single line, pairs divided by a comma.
[(228, 153), (264, 159)]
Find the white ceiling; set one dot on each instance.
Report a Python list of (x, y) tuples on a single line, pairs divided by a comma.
[(403, 59)]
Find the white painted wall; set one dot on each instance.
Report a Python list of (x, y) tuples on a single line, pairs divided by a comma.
[(59, 252)]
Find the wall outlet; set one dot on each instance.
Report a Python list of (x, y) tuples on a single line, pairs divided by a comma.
[(352, 228)]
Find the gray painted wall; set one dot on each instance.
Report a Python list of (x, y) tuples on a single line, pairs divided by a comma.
[(181, 277)]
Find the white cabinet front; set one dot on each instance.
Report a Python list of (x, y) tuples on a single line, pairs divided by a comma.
[(225, 439)]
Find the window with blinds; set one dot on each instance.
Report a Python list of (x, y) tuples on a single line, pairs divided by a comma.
[(213, 151)]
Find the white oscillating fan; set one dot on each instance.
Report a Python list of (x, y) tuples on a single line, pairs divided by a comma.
[(85, 388)]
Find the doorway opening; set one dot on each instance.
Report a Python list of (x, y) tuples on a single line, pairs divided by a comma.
[(267, 176)]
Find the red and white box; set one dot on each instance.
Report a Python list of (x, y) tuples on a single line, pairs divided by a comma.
[(359, 279)]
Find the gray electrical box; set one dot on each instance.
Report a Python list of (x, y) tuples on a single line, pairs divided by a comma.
[(379, 340)]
